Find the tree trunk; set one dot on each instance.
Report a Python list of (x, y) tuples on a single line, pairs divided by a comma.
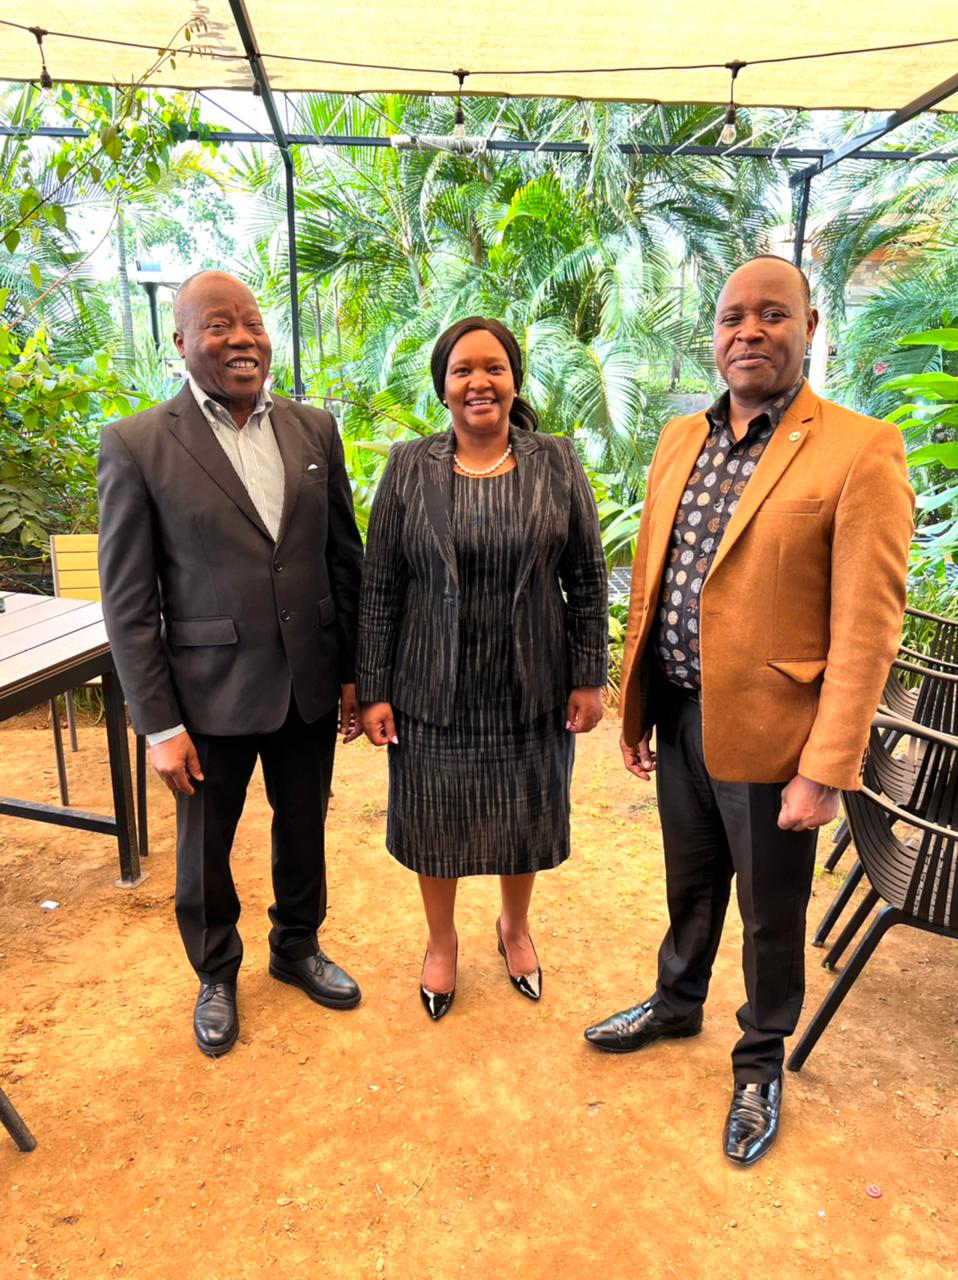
[(123, 280)]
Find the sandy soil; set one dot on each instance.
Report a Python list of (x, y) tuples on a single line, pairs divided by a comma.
[(493, 1144)]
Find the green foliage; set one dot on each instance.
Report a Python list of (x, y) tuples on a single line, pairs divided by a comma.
[(929, 422), (50, 417)]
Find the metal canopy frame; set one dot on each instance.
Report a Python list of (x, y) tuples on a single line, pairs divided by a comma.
[(857, 147), (261, 83), (822, 158)]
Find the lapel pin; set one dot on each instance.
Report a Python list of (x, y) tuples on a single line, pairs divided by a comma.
[(795, 435)]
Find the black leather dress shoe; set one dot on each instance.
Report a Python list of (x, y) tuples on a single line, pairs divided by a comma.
[(752, 1123), (641, 1025), (322, 980), (215, 1020)]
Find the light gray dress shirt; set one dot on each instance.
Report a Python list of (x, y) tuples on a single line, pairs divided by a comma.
[(256, 459)]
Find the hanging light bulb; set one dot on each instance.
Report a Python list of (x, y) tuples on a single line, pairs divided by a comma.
[(46, 80), (729, 132), (459, 128)]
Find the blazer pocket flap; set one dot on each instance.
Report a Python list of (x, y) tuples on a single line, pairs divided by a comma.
[(327, 611), (793, 506), (802, 670), (195, 632)]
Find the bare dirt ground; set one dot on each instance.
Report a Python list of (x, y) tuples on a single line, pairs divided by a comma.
[(493, 1144)]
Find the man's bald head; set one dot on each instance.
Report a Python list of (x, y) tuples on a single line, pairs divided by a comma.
[(195, 285), (804, 285)]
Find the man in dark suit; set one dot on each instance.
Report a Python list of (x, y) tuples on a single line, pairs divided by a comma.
[(767, 598), (230, 567)]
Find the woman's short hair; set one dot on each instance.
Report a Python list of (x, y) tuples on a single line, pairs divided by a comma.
[(521, 414)]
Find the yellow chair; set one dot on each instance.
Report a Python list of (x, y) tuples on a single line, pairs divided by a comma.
[(76, 576)]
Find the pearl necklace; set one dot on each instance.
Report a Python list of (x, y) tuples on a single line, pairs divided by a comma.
[(488, 471)]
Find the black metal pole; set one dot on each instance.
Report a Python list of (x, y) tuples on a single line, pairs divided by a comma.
[(801, 219), (263, 90), (152, 289), (298, 388)]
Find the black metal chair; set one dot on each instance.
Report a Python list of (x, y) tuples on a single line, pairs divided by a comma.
[(941, 636), (904, 823), (915, 692)]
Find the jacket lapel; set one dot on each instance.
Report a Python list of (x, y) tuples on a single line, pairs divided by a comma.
[(289, 438), (787, 439), (196, 436), (532, 463), (671, 488), (435, 480)]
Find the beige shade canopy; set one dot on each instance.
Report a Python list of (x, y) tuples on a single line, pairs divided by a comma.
[(507, 46)]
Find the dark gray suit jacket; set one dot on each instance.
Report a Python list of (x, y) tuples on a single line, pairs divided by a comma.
[(409, 612), (212, 623)]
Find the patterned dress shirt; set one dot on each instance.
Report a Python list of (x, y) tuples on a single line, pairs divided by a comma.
[(718, 480)]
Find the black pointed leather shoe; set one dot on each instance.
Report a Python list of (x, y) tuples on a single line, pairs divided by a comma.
[(639, 1026), (321, 979), (752, 1123), (215, 1019), (527, 984)]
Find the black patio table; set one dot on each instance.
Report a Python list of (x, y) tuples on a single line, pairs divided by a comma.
[(48, 645)]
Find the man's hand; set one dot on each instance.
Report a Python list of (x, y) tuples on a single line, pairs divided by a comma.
[(807, 805), (378, 724), (584, 710), (177, 763), (349, 725), (639, 759)]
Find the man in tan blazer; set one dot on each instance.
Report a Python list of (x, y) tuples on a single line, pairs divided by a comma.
[(767, 597)]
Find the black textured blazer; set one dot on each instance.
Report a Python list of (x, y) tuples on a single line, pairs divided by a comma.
[(408, 646)]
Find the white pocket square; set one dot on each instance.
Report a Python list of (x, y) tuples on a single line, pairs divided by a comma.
[(311, 467)]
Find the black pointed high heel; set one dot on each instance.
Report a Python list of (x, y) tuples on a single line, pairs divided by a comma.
[(437, 1003), (527, 984)]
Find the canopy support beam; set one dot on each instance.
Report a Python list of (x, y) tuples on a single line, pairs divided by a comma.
[(856, 145), (801, 219), (263, 90), (663, 149)]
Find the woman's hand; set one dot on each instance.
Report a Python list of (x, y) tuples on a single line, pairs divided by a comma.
[(584, 710), (378, 725)]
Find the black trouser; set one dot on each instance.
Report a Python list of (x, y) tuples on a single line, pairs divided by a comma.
[(711, 830), (297, 769)]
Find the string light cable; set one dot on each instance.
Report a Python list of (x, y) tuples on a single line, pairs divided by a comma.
[(206, 51)]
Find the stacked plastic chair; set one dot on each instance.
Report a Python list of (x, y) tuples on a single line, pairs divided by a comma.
[(904, 824), (922, 688)]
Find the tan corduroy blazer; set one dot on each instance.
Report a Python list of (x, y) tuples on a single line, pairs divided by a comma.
[(801, 610)]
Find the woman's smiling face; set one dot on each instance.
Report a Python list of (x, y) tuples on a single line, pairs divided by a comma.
[(479, 386)]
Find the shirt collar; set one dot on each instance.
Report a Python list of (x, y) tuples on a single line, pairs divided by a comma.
[(215, 413), (771, 415)]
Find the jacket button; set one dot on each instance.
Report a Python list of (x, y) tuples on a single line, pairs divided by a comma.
[(278, 567), (285, 615)]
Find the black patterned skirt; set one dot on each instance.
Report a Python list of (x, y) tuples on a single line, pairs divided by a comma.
[(484, 796)]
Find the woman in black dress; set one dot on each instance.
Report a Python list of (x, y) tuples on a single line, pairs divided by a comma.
[(482, 646)]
